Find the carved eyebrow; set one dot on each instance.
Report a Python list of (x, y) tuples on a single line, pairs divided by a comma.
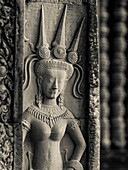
[(59, 77), (48, 75)]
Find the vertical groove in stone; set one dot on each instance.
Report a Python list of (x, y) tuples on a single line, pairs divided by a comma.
[(104, 76), (118, 67), (127, 81), (18, 98)]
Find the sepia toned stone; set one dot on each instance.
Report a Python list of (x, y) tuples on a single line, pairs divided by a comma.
[(104, 75), (77, 2), (48, 119), (118, 67), (22, 40)]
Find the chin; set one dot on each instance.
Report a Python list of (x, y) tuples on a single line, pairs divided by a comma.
[(52, 97)]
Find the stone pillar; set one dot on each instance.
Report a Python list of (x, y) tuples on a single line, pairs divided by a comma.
[(118, 68), (104, 75), (94, 103)]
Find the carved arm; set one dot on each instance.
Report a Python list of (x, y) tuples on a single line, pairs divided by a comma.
[(80, 145), (25, 125), (75, 133)]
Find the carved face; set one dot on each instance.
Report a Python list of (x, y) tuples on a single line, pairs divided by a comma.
[(53, 83)]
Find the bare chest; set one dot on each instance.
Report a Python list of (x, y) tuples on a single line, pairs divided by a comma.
[(41, 130)]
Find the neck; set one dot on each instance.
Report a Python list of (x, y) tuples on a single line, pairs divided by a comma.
[(50, 102)]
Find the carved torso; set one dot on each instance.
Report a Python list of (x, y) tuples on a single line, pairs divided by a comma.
[(47, 128)]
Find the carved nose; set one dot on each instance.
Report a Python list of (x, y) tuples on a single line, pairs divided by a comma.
[(55, 85)]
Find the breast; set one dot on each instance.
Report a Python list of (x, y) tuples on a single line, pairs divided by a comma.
[(58, 131), (41, 131)]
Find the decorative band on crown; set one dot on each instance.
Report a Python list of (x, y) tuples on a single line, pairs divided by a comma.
[(42, 65)]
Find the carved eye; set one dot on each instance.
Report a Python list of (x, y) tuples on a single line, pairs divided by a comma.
[(50, 80)]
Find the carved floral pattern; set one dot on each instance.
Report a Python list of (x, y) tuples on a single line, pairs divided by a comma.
[(6, 146), (7, 32), (7, 19)]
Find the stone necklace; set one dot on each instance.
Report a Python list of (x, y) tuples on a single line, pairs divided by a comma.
[(48, 114)]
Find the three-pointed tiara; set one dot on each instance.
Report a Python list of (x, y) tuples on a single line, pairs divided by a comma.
[(59, 47), (57, 57)]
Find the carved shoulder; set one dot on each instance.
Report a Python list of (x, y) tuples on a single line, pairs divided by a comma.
[(70, 115), (26, 120), (72, 122), (26, 115)]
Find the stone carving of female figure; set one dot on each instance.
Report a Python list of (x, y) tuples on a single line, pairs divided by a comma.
[(48, 120)]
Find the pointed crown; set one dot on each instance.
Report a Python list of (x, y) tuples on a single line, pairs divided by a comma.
[(57, 57)]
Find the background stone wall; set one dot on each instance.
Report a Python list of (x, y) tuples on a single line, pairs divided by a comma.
[(114, 96)]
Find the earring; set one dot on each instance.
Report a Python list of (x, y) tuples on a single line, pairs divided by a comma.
[(61, 100), (61, 97), (38, 97), (38, 100)]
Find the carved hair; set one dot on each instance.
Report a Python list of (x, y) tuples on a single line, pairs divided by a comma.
[(42, 65)]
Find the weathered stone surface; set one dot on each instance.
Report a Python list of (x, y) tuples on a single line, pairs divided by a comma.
[(6, 146), (7, 45), (94, 103), (17, 148), (77, 2), (19, 53)]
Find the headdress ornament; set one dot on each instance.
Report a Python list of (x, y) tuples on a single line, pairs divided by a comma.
[(59, 42), (57, 57), (42, 46)]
